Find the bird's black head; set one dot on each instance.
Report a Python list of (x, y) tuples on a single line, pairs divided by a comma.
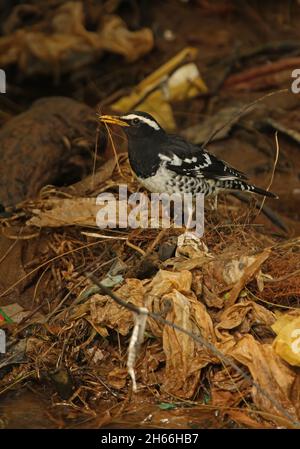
[(144, 136), (136, 124)]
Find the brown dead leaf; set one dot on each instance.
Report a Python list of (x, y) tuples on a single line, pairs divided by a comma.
[(163, 283), (180, 263), (57, 212), (192, 247), (247, 274), (105, 312), (115, 37), (295, 392), (68, 45), (151, 370), (117, 378), (90, 183), (269, 371), (201, 132), (242, 317), (224, 398), (287, 124), (229, 379), (184, 357), (212, 299), (242, 418), (234, 269)]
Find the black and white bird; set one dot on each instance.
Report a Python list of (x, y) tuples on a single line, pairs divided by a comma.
[(168, 163)]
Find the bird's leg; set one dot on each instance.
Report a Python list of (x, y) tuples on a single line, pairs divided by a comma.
[(214, 202), (190, 216), (188, 235)]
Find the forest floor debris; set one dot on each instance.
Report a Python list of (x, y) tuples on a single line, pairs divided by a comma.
[(228, 291)]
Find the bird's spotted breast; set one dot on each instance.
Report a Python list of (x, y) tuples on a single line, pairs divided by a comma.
[(166, 181)]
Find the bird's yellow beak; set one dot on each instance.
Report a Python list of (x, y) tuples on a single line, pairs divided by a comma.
[(112, 119)]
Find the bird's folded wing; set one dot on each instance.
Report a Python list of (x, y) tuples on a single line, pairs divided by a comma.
[(187, 159)]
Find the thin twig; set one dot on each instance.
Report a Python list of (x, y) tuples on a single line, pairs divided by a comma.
[(273, 172), (114, 150), (95, 157), (59, 256), (266, 210)]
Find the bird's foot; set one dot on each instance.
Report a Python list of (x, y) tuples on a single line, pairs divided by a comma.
[(214, 202)]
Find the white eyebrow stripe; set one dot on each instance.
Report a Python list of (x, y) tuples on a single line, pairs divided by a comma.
[(149, 122)]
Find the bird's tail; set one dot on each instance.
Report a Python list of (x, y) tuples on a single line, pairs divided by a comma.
[(243, 186)]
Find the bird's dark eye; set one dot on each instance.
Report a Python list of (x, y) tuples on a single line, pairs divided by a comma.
[(135, 121)]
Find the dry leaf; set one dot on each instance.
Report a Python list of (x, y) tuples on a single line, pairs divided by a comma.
[(105, 312), (212, 299), (117, 378), (90, 183), (57, 212), (180, 263), (164, 282), (243, 316), (235, 269), (242, 417), (68, 45), (184, 356), (201, 132), (248, 272), (268, 370)]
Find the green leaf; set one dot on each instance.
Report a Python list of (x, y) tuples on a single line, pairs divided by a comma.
[(6, 317), (206, 398), (166, 406)]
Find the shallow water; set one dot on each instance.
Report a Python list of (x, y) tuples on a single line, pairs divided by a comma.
[(24, 410), (28, 410)]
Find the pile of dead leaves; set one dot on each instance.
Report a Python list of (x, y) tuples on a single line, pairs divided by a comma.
[(238, 288)]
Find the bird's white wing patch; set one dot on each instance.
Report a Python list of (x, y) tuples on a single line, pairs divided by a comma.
[(146, 120), (190, 160), (173, 160), (164, 157)]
